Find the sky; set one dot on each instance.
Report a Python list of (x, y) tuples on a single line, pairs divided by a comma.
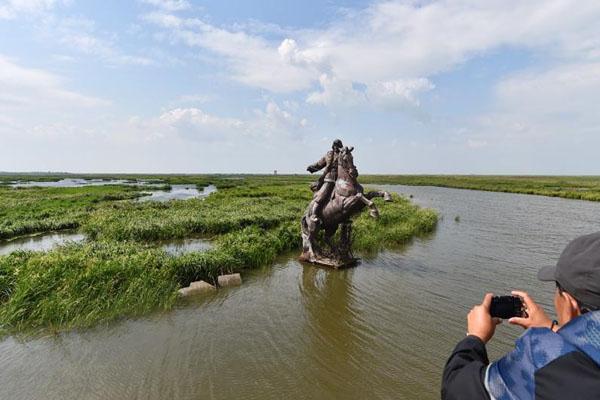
[(183, 86)]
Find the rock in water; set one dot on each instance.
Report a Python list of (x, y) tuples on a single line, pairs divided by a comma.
[(196, 288), (202, 285), (230, 280)]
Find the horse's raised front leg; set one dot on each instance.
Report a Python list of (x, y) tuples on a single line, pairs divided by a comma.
[(373, 211), (379, 193)]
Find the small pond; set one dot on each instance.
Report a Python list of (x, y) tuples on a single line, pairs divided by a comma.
[(179, 192), (39, 242), (48, 241), (183, 246)]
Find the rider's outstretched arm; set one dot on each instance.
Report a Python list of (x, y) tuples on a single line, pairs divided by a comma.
[(318, 165)]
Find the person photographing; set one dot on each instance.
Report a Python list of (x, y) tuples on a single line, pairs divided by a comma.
[(553, 359)]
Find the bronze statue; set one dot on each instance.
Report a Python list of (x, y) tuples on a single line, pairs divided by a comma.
[(337, 197), (324, 186)]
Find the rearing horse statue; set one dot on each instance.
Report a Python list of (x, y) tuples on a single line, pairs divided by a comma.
[(347, 199)]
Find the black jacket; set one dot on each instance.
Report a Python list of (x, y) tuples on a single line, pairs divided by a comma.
[(544, 365)]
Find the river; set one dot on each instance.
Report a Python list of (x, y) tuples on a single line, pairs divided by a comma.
[(382, 330)]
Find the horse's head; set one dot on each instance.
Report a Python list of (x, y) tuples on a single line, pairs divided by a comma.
[(346, 162)]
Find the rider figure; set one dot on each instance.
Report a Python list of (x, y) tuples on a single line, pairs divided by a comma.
[(326, 182)]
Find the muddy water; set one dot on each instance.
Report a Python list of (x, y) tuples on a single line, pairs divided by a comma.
[(42, 242), (382, 330)]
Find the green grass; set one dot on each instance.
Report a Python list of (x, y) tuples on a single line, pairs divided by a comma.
[(121, 272), (32, 210), (224, 211), (82, 285)]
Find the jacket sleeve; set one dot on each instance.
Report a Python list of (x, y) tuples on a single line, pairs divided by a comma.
[(318, 165), (464, 373)]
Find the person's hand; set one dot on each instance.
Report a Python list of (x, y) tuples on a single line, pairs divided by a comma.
[(479, 321), (536, 317)]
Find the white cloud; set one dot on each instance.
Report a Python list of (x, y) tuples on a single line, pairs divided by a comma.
[(82, 35), (567, 88), (336, 92), (101, 48), (187, 124), (253, 60), (169, 5), (28, 87), (542, 107), (399, 93), (37, 107), (386, 56), (394, 48), (197, 125), (277, 121)]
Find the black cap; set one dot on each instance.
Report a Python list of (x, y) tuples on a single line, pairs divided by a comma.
[(337, 143), (578, 270)]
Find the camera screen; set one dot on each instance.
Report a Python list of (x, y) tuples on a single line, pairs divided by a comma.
[(506, 307)]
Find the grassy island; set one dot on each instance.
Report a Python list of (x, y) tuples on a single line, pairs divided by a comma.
[(121, 271)]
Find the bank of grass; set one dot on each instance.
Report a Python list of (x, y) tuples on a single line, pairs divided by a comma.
[(81, 285), (570, 187), (120, 272)]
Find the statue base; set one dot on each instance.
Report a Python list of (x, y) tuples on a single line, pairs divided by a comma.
[(330, 262)]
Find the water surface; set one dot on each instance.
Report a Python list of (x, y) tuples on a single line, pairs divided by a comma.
[(41, 242), (179, 192), (80, 182), (182, 246), (382, 330)]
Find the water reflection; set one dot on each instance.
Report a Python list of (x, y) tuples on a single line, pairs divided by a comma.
[(179, 192), (339, 344), (182, 246), (42, 242)]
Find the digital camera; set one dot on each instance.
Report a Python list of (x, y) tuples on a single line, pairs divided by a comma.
[(506, 307)]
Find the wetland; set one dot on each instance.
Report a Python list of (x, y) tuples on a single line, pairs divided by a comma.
[(122, 270), (381, 330)]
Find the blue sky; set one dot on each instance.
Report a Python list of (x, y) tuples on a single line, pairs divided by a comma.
[(494, 87)]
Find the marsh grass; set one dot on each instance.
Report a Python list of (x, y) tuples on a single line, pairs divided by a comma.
[(32, 210), (398, 223), (81, 285), (121, 271)]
